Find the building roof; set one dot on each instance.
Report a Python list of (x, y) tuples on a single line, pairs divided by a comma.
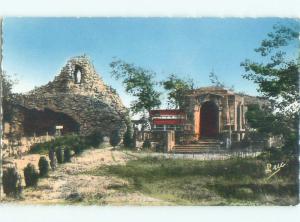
[(166, 112)]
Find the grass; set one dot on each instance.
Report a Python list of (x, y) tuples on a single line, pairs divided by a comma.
[(195, 182)]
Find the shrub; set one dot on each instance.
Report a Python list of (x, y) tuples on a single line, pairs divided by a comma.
[(43, 166), (67, 154), (95, 139), (12, 182), (147, 144), (52, 158), (60, 154), (115, 138), (31, 175), (128, 139), (77, 149)]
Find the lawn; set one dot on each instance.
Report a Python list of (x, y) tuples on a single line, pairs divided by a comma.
[(196, 182)]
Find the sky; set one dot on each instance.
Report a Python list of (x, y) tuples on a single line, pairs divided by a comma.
[(35, 49)]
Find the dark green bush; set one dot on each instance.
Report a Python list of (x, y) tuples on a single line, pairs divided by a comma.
[(77, 149), (95, 139), (115, 138), (31, 175), (59, 154), (43, 166), (12, 182), (147, 144), (128, 139), (67, 154)]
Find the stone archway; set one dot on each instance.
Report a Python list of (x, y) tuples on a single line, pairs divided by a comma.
[(40, 122), (209, 120)]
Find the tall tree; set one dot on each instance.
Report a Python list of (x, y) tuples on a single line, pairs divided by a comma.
[(277, 78), (139, 83), (177, 89), (8, 81)]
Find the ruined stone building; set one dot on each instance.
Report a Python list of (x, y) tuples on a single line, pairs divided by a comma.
[(209, 113), (77, 99)]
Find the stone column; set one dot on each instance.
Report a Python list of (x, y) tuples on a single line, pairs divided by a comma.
[(220, 109)]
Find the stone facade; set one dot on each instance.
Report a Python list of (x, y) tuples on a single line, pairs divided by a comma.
[(214, 111), (78, 94)]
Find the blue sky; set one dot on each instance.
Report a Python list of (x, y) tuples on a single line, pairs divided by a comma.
[(37, 48)]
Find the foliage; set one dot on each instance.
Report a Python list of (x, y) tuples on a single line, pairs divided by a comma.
[(43, 166), (7, 83), (60, 154), (147, 144), (95, 139), (67, 154), (74, 142), (263, 120), (177, 89), (115, 138), (277, 76), (31, 175), (277, 80), (128, 140), (11, 182), (77, 150), (139, 83)]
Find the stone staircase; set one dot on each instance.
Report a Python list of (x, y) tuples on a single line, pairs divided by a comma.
[(202, 146)]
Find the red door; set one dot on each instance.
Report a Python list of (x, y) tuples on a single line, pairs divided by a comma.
[(209, 120)]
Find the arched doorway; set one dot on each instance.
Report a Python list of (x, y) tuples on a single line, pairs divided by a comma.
[(209, 120), (44, 121)]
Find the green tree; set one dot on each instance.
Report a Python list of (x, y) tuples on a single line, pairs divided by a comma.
[(177, 89), (277, 78), (139, 83), (115, 138), (128, 140), (8, 81)]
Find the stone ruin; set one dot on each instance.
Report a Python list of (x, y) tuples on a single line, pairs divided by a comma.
[(77, 99)]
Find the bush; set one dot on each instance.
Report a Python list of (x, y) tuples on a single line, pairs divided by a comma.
[(31, 175), (77, 149), (43, 166), (12, 182), (95, 139), (128, 139), (52, 158), (60, 154), (115, 138), (67, 154), (147, 144)]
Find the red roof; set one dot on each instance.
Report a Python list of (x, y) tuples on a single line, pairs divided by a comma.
[(166, 112)]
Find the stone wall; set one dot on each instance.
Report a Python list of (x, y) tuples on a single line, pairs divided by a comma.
[(79, 92)]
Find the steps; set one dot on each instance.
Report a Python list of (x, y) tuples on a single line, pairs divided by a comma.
[(202, 146)]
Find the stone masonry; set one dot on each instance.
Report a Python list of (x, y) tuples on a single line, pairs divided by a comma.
[(80, 93)]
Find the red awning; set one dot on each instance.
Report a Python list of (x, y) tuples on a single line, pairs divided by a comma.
[(168, 121)]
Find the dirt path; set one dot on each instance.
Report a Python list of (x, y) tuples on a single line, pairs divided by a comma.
[(69, 184)]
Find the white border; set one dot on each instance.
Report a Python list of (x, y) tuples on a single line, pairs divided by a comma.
[(157, 8), (152, 8)]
